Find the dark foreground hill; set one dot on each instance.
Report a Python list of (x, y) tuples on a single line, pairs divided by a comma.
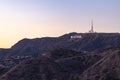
[(59, 65), (83, 42), (108, 68), (39, 69), (3, 70)]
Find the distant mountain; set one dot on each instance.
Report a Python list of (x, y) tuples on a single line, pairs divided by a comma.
[(64, 64), (73, 41), (4, 51)]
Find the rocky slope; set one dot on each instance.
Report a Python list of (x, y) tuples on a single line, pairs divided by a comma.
[(3, 70), (108, 68), (62, 64), (37, 69), (73, 62)]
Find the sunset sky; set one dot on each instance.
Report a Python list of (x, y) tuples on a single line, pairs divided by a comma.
[(39, 18)]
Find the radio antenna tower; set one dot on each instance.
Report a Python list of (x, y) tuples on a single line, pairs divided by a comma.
[(92, 29)]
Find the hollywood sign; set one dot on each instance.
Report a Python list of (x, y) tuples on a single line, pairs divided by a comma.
[(76, 37)]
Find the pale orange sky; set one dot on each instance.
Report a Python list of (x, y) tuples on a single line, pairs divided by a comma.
[(39, 18)]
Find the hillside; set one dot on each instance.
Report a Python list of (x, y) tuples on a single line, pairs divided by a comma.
[(102, 65), (78, 55), (59, 64), (108, 68), (39, 69), (3, 70), (87, 42)]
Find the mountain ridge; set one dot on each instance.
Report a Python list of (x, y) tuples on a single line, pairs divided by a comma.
[(87, 42)]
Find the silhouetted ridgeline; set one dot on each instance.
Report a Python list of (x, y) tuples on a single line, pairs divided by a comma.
[(86, 42)]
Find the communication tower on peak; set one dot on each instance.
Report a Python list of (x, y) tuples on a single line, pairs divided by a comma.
[(92, 27)]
